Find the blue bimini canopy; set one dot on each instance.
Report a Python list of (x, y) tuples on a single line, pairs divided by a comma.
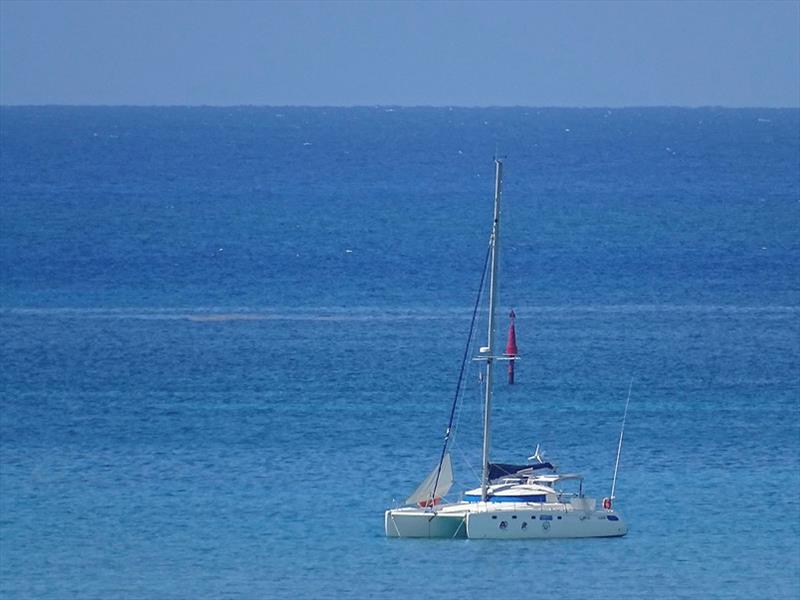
[(499, 470)]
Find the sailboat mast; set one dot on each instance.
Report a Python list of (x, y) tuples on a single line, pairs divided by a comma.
[(487, 405)]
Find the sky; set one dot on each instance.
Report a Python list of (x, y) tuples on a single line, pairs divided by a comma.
[(332, 53)]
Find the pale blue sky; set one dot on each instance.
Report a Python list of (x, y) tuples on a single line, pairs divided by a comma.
[(406, 53)]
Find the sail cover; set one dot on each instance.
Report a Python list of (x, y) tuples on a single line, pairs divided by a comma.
[(425, 495)]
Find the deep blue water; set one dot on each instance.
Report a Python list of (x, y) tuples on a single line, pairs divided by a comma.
[(230, 337)]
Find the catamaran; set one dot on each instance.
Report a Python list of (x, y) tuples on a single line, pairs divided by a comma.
[(513, 501)]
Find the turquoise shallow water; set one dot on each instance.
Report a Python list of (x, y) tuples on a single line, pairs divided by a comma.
[(205, 395)]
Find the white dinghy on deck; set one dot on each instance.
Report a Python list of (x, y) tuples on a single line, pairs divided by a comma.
[(513, 501)]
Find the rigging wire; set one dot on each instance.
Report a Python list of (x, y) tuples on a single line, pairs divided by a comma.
[(463, 391), (461, 371), (621, 433), (455, 442)]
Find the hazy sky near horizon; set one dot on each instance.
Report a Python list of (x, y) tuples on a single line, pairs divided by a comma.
[(401, 53)]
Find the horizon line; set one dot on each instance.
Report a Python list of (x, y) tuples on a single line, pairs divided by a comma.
[(407, 106)]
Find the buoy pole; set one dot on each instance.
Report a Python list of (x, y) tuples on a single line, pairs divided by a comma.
[(511, 347)]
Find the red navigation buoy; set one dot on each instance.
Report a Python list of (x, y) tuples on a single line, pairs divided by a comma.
[(511, 347)]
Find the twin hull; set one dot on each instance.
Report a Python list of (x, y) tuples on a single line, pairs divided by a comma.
[(421, 524), (513, 522)]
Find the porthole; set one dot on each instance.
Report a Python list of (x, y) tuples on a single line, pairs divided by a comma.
[(559, 518), (513, 516), (494, 516)]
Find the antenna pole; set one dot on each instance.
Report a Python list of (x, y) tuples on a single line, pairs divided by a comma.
[(621, 433), (487, 406)]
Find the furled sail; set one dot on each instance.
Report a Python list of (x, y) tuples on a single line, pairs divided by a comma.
[(425, 495)]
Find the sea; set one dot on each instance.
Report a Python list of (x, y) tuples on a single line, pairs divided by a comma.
[(231, 338)]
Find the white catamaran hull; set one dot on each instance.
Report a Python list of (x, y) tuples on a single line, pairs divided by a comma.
[(509, 521), (523, 524), (413, 523)]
